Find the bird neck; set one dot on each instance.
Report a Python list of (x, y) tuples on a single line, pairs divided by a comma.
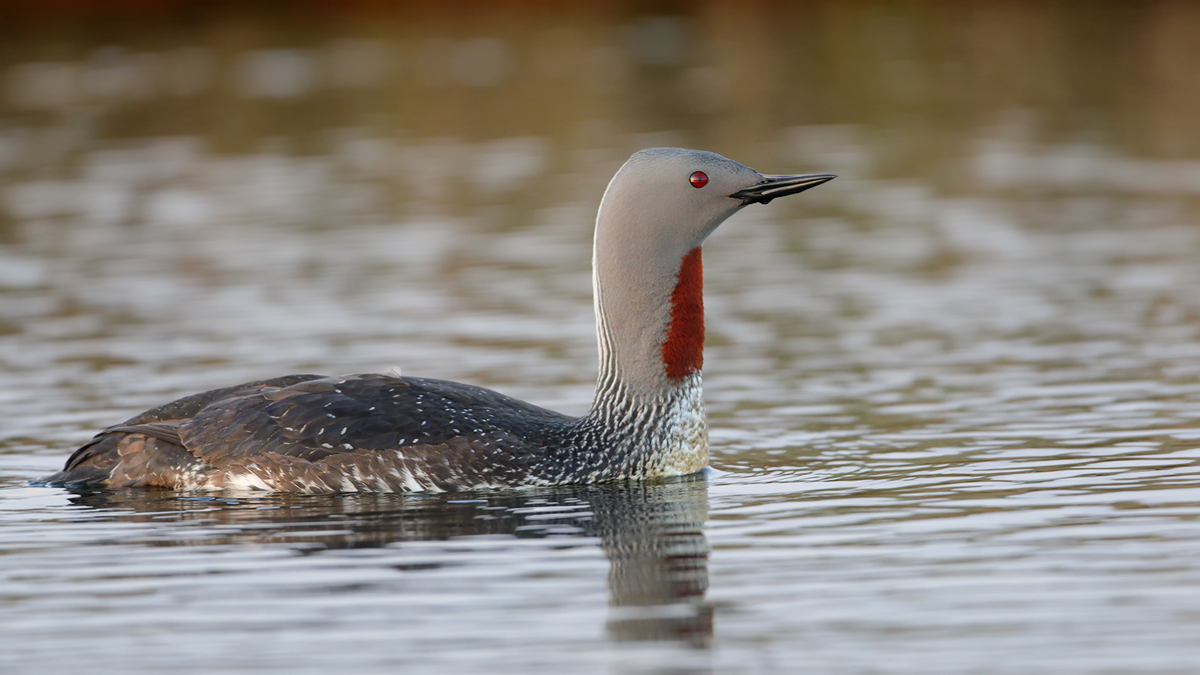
[(650, 329), (649, 402)]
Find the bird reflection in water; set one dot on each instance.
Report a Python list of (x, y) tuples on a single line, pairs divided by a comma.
[(651, 533)]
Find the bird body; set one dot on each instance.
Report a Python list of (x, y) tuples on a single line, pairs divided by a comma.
[(383, 432)]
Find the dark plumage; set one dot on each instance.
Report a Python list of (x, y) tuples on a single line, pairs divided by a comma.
[(311, 433)]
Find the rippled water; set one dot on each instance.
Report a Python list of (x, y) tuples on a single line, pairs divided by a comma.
[(954, 395)]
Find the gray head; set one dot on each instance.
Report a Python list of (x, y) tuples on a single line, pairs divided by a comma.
[(656, 213), (677, 197)]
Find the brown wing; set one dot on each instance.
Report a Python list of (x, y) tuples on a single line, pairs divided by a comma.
[(93, 463), (390, 431), (309, 433)]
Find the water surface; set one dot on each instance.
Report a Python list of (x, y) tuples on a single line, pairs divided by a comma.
[(954, 395)]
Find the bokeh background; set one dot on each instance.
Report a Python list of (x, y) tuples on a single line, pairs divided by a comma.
[(133, 112), (955, 394), (243, 171)]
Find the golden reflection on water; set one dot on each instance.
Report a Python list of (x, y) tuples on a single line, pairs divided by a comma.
[(388, 110)]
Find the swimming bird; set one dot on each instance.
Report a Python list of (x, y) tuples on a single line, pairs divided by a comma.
[(381, 432)]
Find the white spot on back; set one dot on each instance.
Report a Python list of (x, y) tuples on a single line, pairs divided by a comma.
[(246, 480)]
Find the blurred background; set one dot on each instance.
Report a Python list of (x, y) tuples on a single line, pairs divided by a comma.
[(146, 112), (149, 147)]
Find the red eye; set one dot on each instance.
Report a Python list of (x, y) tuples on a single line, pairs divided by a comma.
[(699, 179)]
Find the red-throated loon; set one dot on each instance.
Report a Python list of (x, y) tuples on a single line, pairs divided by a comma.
[(387, 433)]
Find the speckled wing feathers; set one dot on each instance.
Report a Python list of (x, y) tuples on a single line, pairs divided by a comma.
[(304, 433), (92, 463), (319, 418)]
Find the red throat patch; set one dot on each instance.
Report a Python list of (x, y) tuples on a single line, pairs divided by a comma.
[(683, 350)]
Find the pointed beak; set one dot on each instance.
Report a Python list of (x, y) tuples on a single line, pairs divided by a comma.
[(771, 187)]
